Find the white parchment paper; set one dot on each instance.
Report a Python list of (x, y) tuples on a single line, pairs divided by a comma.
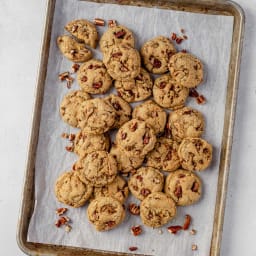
[(209, 38)]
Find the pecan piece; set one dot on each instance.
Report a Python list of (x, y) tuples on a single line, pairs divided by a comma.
[(61, 211), (195, 187), (174, 229), (63, 76), (112, 23), (187, 222), (75, 67), (97, 85), (133, 248), (136, 230), (157, 63), (99, 22), (162, 85), (133, 127), (120, 34), (173, 36), (145, 192), (134, 209), (110, 223), (178, 191), (69, 148), (193, 93), (123, 136), (179, 40), (62, 221), (116, 106), (200, 99)]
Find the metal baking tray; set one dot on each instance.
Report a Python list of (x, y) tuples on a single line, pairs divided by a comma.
[(217, 7)]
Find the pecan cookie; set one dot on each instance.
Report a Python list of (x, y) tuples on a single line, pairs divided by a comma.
[(122, 108), (117, 189), (122, 62), (114, 36), (146, 181), (186, 69), (195, 154), (97, 168), (125, 163), (83, 30), (156, 54), (164, 156), (152, 114), (72, 50), (157, 209), (70, 190), (93, 77), (96, 116), (184, 187), (136, 138), (136, 89), (105, 213), (168, 93), (85, 143), (185, 122), (70, 105)]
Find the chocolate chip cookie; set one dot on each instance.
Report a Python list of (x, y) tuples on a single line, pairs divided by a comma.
[(164, 156), (70, 190), (122, 62), (168, 93), (85, 143), (146, 181), (185, 122), (93, 77), (73, 50), (122, 108), (136, 138), (184, 187), (105, 213), (70, 105), (152, 114), (96, 116), (157, 209), (114, 36), (156, 54), (195, 154), (83, 30), (137, 89), (186, 69)]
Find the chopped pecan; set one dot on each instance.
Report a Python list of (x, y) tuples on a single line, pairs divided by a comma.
[(145, 192), (99, 22), (173, 36), (174, 229), (110, 223), (75, 67), (71, 136), (162, 85), (200, 99), (69, 80), (69, 148), (185, 37), (61, 211), (179, 40), (133, 248), (134, 209), (187, 222), (123, 136), (139, 177), (63, 76), (97, 85), (195, 187), (65, 135), (193, 93), (120, 34), (62, 221), (136, 230), (116, 106), (112, 23)]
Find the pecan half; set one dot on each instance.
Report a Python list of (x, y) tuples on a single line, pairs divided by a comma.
[(75, 67), (136, 230), (187, 222), (174, 229), (134, 209)]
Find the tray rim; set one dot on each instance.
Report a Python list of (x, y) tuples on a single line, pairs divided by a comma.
[(198, 6)]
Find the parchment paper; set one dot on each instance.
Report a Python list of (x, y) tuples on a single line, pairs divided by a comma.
[(209, 38)]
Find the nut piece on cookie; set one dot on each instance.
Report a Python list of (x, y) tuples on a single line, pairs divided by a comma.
[(157, 209), (83, 30), (105, 213), (186, 69), (195, 154), (184, 187), (70, 190), (156, 54), (72, 50), (168, 93)]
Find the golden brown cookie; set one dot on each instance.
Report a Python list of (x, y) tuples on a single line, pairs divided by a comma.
[(105, 213), (70, 190), (184, 187), (186, 69), (157, 209), (195, 154), (70, 105), (73, 50)]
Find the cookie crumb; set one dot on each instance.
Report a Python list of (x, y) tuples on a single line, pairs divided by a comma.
[(194, 247), (68, 228), (160, 231), (192, 232), (174, 229)]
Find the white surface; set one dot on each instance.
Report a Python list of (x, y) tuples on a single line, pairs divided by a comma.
[(21, 32), (52, 159)]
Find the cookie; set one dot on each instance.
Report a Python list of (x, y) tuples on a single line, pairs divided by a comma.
[(168, 93), (86, 143), (73, 50), (152, 114), (125, 163), (145, 181), (157, 209), (116, 35), (122, 108), (93, 77), (136, 138), (136, 89), (184, 187), (97, 168), (186, 69), (185, 122), (156, 54), (164, 156), (70, 190), (105, 213), (95, 116), (195, 154), (117, 189), (83, 30), (70, 105), (122, 62)]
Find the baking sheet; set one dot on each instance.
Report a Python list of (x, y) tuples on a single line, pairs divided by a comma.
[(209, 37)]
